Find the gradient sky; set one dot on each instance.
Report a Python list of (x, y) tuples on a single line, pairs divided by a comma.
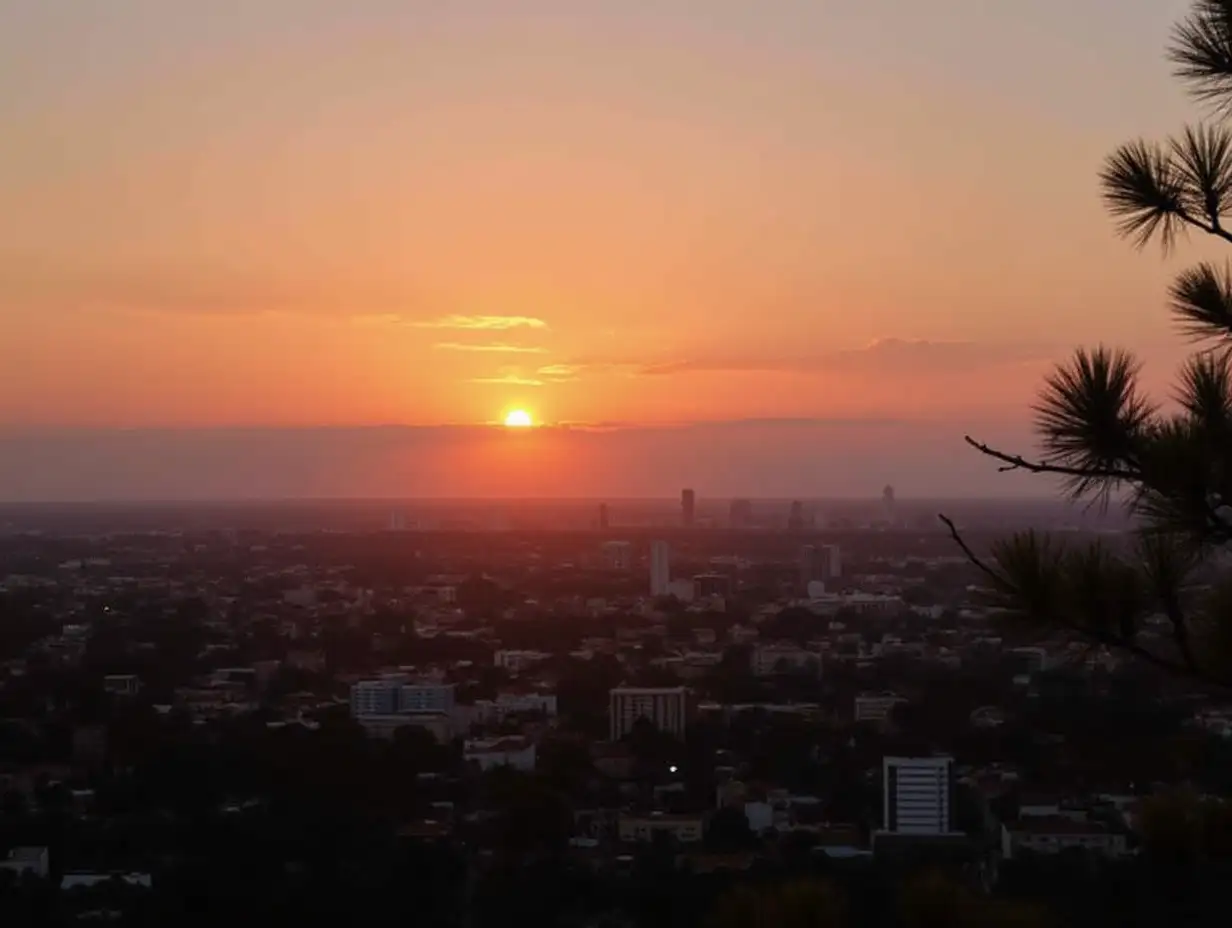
[(306, 212)]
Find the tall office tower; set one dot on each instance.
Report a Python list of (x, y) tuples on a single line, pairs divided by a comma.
[(687, 503), (397, 521), (795, 521), (660, 568), (617, 555), (740, 513), (811, 569), (831, 562), (666, 707), (603, 517), (917, 795)]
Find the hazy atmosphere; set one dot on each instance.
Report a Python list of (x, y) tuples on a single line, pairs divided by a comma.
[(297, 214)]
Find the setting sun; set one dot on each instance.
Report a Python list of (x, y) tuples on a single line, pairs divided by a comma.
[(518, 419)]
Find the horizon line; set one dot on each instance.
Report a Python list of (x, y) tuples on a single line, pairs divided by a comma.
[(499, 426), (403, 500)]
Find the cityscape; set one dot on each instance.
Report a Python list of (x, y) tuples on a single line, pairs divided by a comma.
[(599, 713), (690, 464)]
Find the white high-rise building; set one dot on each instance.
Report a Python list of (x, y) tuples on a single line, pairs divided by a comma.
[(831, 562), (666, 707), (660, 568), (916, 795)]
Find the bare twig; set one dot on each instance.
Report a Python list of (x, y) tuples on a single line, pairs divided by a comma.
[(974, 558), (1017, 462)]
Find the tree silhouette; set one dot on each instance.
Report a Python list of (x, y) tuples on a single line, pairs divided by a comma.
[(1163, 599), (802, 904)]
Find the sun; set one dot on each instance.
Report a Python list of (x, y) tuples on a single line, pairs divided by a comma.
[(518, 419)]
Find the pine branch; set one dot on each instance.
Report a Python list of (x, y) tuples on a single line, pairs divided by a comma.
[(1186, 667)]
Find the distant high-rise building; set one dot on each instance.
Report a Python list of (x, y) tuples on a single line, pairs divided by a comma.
[(795, 521), (917, 795), (660, 568), (617, 555), (603, 517), (740, 513), (397, 521), (687, 507), (666, 707), (810, 569), (831, 562), (887, 505)]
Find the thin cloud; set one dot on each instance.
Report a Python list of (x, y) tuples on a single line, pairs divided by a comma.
[(494, 348), (560, 373), (486, 323), (515, 380)]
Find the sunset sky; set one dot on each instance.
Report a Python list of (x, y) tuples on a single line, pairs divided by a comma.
[(287, 213)]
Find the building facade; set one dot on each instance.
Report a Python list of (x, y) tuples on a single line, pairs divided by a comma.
[(660, 568), (666, 707), (917, 795)]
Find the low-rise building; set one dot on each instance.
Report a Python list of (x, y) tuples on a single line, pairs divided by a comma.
[(1054, 834), (687, 829), (518, 753), (31, 861), (770, 659)]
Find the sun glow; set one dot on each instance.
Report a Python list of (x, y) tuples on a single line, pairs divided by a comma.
[(518, 419)]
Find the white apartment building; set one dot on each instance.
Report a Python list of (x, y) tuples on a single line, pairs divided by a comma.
[(687, 829), (376, 697), (863, 603), (666, 707), (122, 684), (396, 695), (1052, 835), (660, 568), (510, 703), (916, 795), (31, 860), (426, 697), (518, 753), (507, 704), (517, 661), (770, 659), (875, 707)]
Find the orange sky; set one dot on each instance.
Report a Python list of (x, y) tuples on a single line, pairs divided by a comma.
[(297, 213)]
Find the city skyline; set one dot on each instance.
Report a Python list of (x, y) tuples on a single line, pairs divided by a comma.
[(763, 459)]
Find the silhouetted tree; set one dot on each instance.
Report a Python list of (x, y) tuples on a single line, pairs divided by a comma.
[(1105, 438), (804, 904)]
